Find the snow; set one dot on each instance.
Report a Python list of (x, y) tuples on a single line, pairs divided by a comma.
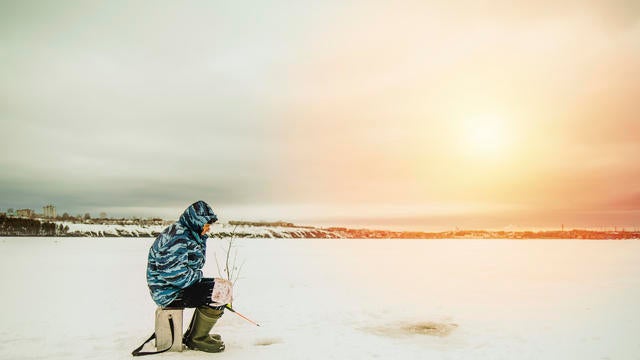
[(79, 298), (112, 229), (265, 231), (217, 230)]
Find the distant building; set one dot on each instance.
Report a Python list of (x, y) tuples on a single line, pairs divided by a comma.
[(25, 213), (49, 211)]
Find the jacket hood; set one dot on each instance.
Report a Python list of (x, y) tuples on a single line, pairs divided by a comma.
[(196, 215)]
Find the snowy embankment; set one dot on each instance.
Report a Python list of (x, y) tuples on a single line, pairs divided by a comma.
[(112, 230), (221, 230), (68, 298)]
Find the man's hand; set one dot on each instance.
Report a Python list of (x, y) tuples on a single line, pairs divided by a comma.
[(222, 293)]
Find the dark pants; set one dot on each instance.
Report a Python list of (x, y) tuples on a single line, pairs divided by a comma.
[(196, 295)]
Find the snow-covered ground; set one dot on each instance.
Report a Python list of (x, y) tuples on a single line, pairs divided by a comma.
[(86, 298)]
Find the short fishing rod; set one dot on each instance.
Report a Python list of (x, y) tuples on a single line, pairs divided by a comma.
[(242, 316)]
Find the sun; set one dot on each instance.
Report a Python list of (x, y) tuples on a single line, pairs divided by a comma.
[(484, 134)]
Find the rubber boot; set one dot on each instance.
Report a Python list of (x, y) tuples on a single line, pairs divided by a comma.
[(187, 334), (197, 336)]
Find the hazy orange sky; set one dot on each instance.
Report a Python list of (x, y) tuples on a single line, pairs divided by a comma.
[(412, 114), (519, 115)]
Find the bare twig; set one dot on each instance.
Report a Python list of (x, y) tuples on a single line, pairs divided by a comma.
[(218, 266), (228, 270), (231, 271)]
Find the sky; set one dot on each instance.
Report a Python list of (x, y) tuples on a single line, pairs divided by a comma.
[(406, 114)]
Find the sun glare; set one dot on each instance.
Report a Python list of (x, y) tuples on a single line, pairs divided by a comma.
[(485, 134)]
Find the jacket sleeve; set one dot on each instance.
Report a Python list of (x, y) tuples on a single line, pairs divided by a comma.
[(180, 274)]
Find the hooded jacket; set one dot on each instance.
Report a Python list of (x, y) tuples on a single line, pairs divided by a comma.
[(178, 254)]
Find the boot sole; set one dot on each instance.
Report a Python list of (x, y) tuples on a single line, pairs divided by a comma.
[(204, 350)]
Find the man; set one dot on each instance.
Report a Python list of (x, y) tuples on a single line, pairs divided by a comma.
[(174, 276)]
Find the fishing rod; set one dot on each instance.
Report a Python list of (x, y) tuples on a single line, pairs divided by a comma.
[(242, 316)]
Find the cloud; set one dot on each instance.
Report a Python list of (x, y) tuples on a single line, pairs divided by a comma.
[(627, 202), (151, 105)]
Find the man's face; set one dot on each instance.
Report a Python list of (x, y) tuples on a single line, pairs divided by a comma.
[(205, 229)]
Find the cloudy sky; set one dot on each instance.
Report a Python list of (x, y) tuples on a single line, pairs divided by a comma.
[(410, 114)]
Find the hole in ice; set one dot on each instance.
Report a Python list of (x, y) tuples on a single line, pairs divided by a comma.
[(428, 328)]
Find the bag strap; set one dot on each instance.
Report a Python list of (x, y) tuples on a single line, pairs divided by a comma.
[(137, 351)]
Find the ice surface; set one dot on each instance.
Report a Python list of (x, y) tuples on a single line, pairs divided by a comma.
[(86, 298)]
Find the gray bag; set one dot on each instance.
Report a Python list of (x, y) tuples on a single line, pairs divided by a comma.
[(168, 332)]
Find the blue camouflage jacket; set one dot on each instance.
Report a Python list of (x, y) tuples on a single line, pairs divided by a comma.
[(178, 254)]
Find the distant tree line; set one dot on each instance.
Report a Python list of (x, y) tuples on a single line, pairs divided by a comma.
[(103, 219), (10, 226)]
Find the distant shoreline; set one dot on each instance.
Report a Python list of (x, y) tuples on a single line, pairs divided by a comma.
[(24, 227)]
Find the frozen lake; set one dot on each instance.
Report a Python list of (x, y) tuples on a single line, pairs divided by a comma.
[(79, 298)]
